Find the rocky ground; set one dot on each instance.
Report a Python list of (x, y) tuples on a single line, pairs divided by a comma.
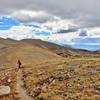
[(71, 80), (45, 75)]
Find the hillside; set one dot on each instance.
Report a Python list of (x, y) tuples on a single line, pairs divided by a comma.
[(44, 75), (61, 50), (12, 51)]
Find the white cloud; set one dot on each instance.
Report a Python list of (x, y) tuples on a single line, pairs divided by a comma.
[(59, 24), (91, 37), (94, 32), (30, 15), (24, 32), (17, 33), (1, 22), (51, 21), (63, 38)]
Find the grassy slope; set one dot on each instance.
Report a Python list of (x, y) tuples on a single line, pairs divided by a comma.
[(57, 78), (29, 56)]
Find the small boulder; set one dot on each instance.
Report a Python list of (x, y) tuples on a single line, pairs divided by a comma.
[(4, 90), (9, 80), (36, 91), (97, 87), (98, 69)]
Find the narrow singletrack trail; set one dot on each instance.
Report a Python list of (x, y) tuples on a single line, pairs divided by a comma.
[(21, 91)]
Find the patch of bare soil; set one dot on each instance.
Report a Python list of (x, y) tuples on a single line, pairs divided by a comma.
[(20, 87)]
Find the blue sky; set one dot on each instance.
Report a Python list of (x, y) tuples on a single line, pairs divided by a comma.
[(42, 33), (65, 16), (55, 14), (91, 43), (86, 47), (6, 23)]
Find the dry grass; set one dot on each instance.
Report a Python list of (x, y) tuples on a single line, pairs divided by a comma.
[(48, 76), (72, 80)]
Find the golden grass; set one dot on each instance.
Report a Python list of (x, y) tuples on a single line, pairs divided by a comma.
[(48, 76)]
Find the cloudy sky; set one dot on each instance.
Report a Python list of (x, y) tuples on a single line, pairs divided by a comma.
[(75, 22), (84, 13)]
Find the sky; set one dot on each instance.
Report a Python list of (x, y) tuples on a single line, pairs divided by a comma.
[(84, 13), (58, 16)]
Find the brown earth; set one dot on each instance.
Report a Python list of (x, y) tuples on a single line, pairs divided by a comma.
[(45, 75)]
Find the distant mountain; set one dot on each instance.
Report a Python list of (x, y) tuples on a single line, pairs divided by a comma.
[(73, 37), (45, 68), (60, 50), (6, 44)]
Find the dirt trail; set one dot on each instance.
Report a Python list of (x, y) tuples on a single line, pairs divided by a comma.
[(21, 91)]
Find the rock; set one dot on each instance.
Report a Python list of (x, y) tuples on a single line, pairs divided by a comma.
[(60, 67), (4, 90), (46, 81), (97, 87), (61, 76), (35, 91), (9, 80), (97, 93), (98, 69)]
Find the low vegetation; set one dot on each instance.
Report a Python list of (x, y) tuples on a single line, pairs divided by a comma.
[(48, 76)]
